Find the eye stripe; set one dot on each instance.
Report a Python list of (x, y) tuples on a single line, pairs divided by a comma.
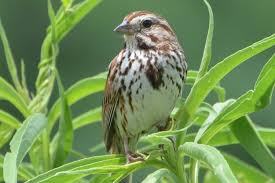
[(167, 28)]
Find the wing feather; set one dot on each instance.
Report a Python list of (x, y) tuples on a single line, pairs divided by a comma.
[(109, 106)]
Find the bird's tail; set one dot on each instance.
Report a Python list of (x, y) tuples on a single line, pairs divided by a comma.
[(117, 146)]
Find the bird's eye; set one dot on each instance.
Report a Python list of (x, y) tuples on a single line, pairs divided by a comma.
[(147, 23)]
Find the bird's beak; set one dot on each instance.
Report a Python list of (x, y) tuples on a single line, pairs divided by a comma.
[(124, 28)]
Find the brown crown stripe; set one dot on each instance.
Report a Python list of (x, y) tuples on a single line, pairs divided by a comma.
[(136, 14)]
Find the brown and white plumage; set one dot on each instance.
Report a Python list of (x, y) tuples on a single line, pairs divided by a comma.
[(144, 81)]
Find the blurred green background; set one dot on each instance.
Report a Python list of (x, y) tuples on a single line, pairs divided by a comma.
[(89, 48)]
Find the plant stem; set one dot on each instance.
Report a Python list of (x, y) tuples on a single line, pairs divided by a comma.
[(194, 171), (180, 170), (46, 150)]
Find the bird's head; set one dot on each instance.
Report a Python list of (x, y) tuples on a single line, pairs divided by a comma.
[(143, 29)]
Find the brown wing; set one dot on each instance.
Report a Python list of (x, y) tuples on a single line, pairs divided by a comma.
[(109, 106)]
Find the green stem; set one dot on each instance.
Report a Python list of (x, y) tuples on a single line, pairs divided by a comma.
[(46, 150), (194, 171), (180, 167), (180, 170)]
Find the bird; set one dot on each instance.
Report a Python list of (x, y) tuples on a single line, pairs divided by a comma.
[(143, 83)]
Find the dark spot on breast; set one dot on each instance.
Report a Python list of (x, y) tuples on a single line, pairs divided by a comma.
[(154, 75), (129, 54), (125, 71), (123, 84), (129, 94), (171, 65), (140, 86), (141, 66), (179, 69), (178, 86), (131, 84)]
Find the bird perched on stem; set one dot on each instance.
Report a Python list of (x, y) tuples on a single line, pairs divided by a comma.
[(144, 82)]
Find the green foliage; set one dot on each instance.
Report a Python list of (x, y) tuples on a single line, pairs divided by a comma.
[(223, 123), (21, 143), (212, 158), (246, 133)]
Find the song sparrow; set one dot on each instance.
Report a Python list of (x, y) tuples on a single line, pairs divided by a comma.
[(144, 81)]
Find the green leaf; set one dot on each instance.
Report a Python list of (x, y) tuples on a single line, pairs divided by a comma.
[(211, 157), (191, 79), (161, 137), (76, 92), (6, 133), (160, 176), (7, 92), (67, 3), (21, 143), (97, 147), (207, 53), (9, 119), (243, 172), (250, 102), (245, 132), (102, 178), (204, 85), (87, 118), (64, 25), (24, 172), (226, 137), (75, 170), (65, 131), (9, 58), (217, 109)]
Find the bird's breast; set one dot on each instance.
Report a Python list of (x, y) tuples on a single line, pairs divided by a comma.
[(150, 85)]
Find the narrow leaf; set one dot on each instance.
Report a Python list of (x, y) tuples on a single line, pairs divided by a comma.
[(96, 161), (65, 131), (63, 27), (87, 118), (8, 119), (244, 172), (9, 58), (249, 102), (76, 92), (21, 143), (226, 137), (245, 132), (160, 176), (6, 133), (24, 172), (203, 86), (208, 44), (7, 92), (212, 157)]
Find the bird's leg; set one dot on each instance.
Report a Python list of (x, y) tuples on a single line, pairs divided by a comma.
[(131, 157)]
